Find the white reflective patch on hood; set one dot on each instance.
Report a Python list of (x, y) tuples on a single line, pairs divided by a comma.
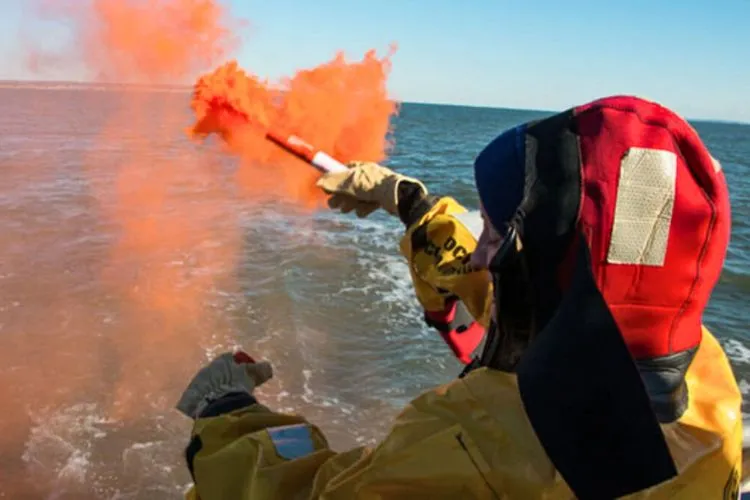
[(643, 210)]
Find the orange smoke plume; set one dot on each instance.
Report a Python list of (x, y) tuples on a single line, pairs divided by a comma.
[(157, 203), (341, 108), (171, 243), (143, 41)]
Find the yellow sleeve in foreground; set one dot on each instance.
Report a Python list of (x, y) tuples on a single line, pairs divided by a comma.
[(256, 453), (438, 248), (469, 438)]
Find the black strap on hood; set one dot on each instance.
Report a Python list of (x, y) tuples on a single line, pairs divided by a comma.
[(586, 400), (582, 390)]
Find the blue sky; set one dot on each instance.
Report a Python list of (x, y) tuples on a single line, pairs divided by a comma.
[(691, 55)]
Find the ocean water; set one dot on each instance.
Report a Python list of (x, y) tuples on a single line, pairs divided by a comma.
[(89, 375)]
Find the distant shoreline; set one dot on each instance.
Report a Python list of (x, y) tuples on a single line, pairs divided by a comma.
[(62, 85), (145, 87)]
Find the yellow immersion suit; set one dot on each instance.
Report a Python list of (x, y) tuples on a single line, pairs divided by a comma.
[(469, 438)]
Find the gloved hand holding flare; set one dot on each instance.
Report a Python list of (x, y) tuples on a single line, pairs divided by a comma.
[(364, 188)]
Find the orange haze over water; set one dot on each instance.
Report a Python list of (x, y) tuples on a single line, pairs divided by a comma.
[(341, 107)]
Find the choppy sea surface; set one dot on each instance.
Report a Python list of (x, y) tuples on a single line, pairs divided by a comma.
[(102, 270)]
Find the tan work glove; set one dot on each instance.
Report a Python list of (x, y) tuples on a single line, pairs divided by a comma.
[(364, 188)]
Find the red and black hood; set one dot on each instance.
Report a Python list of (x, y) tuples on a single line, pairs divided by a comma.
[(625, 220)]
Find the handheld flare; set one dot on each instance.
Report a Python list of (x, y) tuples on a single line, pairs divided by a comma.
[(301, 149)]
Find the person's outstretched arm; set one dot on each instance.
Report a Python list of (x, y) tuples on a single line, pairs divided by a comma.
[(440, 237)]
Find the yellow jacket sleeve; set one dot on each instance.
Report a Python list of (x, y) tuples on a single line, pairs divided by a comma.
[(467, 439), (438, 247), (255, 453)]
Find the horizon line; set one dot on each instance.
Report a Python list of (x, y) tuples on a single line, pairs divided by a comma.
[(165, 87)]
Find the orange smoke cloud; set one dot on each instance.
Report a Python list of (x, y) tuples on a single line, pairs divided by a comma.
[(175, 243), (339, 107), (163, 41), (158, 197), (161, 264)]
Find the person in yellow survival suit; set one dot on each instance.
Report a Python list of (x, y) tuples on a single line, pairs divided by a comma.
[(605, 231)]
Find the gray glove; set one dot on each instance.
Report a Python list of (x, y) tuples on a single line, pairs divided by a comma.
[(230, 372)]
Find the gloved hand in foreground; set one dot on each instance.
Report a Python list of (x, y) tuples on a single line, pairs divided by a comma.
[(366, 187), (229, 374)]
